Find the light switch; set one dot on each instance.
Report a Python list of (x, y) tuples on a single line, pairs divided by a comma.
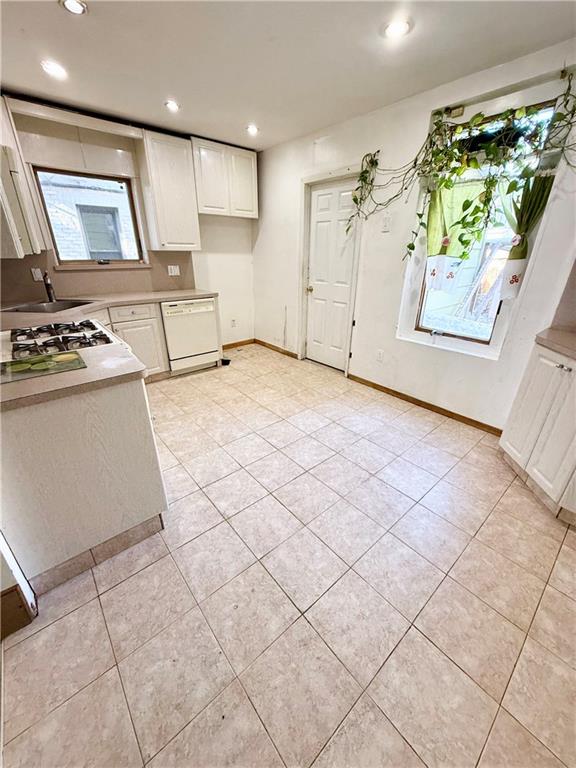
[(173, 270), (36, 274), (387, 221)]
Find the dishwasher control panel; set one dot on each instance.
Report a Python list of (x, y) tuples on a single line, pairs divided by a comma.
[(187, 307)]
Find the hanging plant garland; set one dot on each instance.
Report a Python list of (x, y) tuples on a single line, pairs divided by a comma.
[(505, 151)]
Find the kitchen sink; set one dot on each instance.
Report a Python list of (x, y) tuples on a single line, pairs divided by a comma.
[(48, 306)]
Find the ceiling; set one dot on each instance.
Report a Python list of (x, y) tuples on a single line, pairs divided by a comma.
[(289, 67)]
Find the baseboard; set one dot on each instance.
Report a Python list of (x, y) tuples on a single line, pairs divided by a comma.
[(429, 406), (238, 343), (274, 348)]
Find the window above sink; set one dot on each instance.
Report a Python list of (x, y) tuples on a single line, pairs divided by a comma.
[(91, 217)]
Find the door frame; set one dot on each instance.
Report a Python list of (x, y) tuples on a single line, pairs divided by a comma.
[(341, 174)]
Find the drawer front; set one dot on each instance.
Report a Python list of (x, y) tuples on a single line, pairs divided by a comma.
[(101, 315), (133, 312)]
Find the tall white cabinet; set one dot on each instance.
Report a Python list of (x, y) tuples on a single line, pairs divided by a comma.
[(167, 176), (226, 179), (540, 434)]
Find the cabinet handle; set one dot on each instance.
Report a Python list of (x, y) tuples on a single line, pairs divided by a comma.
[(559, 365)]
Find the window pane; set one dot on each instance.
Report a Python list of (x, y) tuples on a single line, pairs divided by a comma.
[(468, 308), (91, 217)]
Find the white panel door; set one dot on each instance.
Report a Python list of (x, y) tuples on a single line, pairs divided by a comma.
[(553, 459), (243, 183), (211, 168), (330, 276)]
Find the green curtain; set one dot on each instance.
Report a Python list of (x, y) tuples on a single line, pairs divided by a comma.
[(524, 216), (445, 208)]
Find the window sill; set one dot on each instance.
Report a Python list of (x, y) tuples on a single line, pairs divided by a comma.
[(91, 267), (449, 344)]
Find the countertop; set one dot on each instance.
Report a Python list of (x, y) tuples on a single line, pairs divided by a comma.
[(10, 320), (110, 364), (106, 365), (561, 340)]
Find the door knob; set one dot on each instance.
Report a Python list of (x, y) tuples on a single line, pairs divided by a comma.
[(310, 289)]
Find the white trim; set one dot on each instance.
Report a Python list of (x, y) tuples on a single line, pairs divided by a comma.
[(55, 115), (341, 174)]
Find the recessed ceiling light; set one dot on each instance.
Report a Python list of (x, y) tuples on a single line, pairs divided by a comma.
[(396, 29), (171, 105), (77, 7), (54, 69), (252, 129)]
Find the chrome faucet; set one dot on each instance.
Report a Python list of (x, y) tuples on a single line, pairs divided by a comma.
[(49, 287)]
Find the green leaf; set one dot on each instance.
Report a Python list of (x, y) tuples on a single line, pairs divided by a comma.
[(410, 246), (527, 172), (466, 204), (476, 119), (512, 187), (520, 113)]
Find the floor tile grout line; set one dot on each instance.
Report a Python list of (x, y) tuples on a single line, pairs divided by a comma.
[(500, 705), (117, 667)]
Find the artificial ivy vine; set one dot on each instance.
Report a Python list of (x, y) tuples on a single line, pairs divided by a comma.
[(507, 150)]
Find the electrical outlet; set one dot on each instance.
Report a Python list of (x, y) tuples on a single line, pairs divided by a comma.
[(380, 356), (173, 270), (233, 323), (37, 274)]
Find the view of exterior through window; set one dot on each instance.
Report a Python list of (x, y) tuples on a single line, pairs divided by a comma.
[(462, 297), (91, 217)]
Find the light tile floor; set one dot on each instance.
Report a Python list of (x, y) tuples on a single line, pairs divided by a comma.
[(344, 579)]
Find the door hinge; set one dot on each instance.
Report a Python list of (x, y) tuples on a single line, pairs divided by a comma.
[(349, 355), (353, 323)]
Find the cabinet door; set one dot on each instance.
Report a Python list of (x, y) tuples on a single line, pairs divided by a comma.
[(532, 403), (146, 340), (16, 187), (212, 184), (171, 170), (553, 459), (243, 183)]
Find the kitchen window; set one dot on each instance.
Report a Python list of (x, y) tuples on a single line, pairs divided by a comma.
[(91, 217)]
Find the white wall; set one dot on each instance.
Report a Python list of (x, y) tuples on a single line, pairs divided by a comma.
[(225, 264), (478, 388)]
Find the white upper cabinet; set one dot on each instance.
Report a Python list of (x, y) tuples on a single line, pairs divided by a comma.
[(167, 176), (19, 215), (243, 183), (226, 179), (211, 167)]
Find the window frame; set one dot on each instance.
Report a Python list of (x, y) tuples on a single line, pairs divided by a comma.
[(433, 332), (92, 263)]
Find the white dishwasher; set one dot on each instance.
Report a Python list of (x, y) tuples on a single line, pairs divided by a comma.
[(191, 328)]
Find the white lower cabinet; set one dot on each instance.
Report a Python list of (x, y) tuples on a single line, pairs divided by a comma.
[(553, 459), (532, 404), (146, 340), (540, 434)]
